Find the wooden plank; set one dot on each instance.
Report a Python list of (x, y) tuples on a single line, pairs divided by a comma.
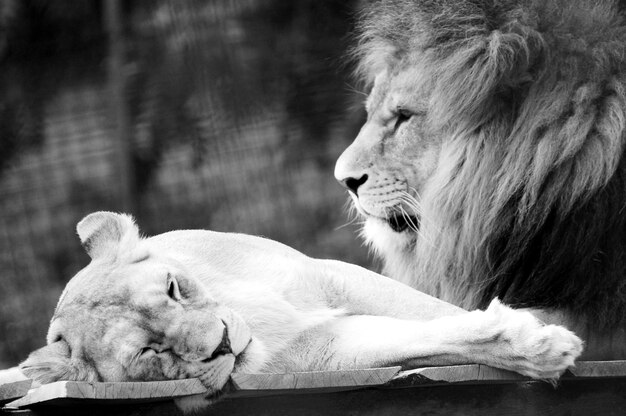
[(244, 385), (13, 384), (250, 385), (315, 379), (113, 393), (483, 373)]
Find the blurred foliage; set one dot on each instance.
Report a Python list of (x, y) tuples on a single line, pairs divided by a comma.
[(276, 51), (237, 108), (37, 38)]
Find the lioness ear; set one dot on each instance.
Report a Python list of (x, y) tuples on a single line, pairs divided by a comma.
[(103, 233), (51, 363)]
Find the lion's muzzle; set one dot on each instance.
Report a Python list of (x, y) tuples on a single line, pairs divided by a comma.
[(198, 336), (224, 347)]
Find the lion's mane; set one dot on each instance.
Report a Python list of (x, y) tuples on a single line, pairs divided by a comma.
[(531, 201)]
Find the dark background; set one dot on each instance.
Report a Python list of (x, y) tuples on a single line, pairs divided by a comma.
[(225, 115)]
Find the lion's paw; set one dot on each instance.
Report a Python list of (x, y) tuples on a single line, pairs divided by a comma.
[(532, 348)]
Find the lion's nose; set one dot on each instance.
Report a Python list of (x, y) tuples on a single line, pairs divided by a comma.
[(353, 184), (224, 346)]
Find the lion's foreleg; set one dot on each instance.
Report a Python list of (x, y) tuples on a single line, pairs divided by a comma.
[(500, 337)]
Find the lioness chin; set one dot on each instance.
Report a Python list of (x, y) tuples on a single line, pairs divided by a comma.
[(203, 304)]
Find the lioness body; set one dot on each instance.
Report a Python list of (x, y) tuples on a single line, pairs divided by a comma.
[(204, 304), (492, 160)]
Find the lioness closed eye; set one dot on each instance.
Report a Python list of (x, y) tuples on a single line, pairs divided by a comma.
[(204, 304)]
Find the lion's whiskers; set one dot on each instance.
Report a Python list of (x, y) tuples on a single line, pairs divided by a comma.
[(417, 208), (409, 220), (353, 89), (411, 202), (353, 216), (415, 227)]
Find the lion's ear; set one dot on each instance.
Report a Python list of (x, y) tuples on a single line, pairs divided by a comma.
[(51, 363), (104, 233)]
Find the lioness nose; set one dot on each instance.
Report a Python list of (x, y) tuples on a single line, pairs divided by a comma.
[(353, 184), (224, 346)]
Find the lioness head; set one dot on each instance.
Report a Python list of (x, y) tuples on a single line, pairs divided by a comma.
[(135, 314)]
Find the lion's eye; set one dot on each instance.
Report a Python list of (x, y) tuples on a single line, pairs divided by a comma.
[(146, 352), (173, 291), (402, 115)]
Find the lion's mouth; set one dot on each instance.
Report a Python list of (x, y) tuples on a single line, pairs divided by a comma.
[(223, 348), (242, 357), (400, 222)]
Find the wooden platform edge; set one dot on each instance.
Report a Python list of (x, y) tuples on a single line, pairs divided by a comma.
[(315, 379), (110, 392), (457, 374), (14, 390), (246, 385), (13, 384), (483, 373)]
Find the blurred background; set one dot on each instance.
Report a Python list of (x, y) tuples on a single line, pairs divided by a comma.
[(217, 114)]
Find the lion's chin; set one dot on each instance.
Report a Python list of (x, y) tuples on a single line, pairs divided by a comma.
[(400, 223), (217, 374), (397, 221), (385, 241)]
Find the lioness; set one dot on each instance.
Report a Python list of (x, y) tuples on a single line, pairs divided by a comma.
[(203, 304)]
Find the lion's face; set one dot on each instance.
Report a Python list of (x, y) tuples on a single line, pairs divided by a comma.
[(133, 314), (390, 163)]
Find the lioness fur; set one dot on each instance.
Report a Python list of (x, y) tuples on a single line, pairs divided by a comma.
[(491, 163), (203, 304)]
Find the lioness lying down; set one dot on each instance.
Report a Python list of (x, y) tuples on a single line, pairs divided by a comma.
[(203, 304)]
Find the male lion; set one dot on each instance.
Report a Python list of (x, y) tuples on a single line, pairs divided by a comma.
[(203, 304), (491, 163)]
